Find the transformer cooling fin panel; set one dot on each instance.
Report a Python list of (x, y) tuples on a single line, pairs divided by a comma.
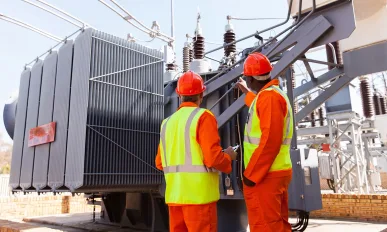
[(106, 96)]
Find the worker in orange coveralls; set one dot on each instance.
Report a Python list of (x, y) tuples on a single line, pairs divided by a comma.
[(267, 138), (190, 155)]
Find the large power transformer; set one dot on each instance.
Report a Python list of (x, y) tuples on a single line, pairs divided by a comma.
[(88, 117), (106, 97)]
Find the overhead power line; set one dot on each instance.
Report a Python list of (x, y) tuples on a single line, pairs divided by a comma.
[(153, 32), (29, 27), (237, 18), (69, 18)]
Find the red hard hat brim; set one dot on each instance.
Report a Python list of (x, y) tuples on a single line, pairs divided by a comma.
[(192, 94)]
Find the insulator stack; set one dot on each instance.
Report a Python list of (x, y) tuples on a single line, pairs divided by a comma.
[(171, 66), (313, 118), (321, 116), (229, 37), (330, 57), (295, 108), (339, 56), (186, 58), (293, 79), (376, 104), (190, 54), (383, 106), (198, 50), (365, 91)]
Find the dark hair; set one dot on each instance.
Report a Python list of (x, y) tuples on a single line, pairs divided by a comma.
[(193, 98), (265, 74), (263, 81)]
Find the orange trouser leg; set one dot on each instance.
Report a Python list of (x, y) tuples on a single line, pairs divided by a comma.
[(285, 206), (176, 219), (193, 218), (201, 218), (267, 205)]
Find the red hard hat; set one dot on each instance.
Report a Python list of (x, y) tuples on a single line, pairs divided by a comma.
[(256, 64), (189, 84)]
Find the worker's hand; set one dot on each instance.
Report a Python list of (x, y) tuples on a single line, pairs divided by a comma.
[(248, 182), (241, 84), (230, 151)]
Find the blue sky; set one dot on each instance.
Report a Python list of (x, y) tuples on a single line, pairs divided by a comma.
[(19, 46)]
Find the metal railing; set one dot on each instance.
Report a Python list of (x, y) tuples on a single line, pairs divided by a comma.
[(4, 185)]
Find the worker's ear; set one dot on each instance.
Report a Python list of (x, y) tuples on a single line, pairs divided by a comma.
[(200, 98)]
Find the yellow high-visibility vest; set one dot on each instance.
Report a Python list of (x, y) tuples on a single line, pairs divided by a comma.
[(188, 180), (252, 134)]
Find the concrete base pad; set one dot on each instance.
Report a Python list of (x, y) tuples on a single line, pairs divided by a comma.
[(83, 222), (63, 222), (16, 226)]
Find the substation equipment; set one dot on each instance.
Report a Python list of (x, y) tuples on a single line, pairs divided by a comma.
[(105, 97)]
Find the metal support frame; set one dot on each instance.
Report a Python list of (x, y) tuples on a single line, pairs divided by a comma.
[(349, 167), (304, 59), (319, 81), (319, 26), (324, 26), (308, 68), (351, 144), (323, 97), (291, 99), (369, 171)]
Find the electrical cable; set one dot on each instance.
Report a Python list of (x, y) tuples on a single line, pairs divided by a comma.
[(65, 13), (257, 33), (236, 18), (302, 221), (292, 28), (134, 19), (208, 42), (62, 41), (153, 212), (240, 147), (144, 41), (127, 18)]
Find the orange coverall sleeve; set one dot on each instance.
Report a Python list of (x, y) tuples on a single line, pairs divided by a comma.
[(250, 96), (158, 162), (208, 139), (271, 109)]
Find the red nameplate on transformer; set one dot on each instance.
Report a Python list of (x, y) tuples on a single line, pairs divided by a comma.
[(42, 134)]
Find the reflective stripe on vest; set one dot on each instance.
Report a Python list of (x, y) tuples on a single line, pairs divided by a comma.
[(188, 166), (185, 174), (253, 133)]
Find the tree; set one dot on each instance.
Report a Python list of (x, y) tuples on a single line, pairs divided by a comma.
[(5, 156), (6, 169)]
